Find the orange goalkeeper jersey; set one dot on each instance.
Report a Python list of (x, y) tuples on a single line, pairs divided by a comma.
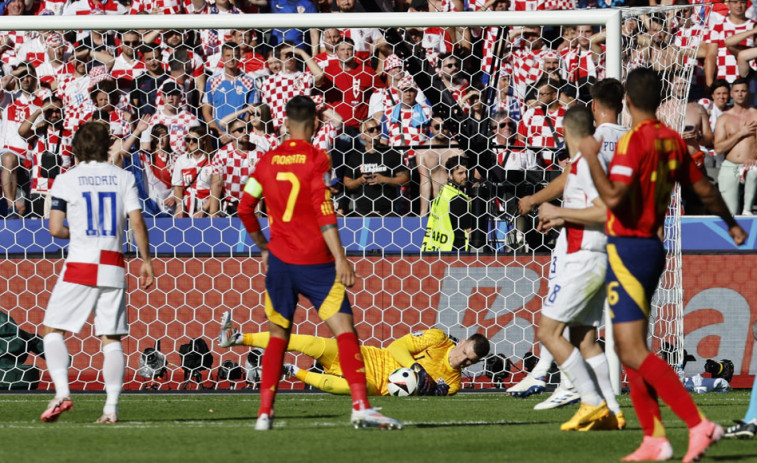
[(430, 348)]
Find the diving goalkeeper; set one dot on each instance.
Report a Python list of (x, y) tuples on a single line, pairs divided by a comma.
[(435, 357)]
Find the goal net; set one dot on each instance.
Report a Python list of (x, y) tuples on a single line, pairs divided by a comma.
[(193, 101)]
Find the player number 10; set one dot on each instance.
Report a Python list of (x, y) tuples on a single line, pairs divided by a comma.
[(292, 200), (103, 197)]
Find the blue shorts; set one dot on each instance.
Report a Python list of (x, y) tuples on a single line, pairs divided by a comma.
[(633, 272), (285, 282)]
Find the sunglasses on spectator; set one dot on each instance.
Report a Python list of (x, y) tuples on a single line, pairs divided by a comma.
[(191, 140), (451, 65), (130, 43), (238, 130), (530, 35), (502, 125), (437, 126), (373, 129)]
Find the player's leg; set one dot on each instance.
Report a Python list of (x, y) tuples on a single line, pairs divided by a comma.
[(67, 310), (746, 428), (111, 324), (536, 380), (332, 384)]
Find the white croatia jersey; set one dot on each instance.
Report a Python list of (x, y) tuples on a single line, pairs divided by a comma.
[(99, 197), (610, 133), (580, 193)]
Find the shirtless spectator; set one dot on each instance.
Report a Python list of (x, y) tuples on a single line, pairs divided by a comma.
[(735, 137), (431, 163), (720, 63), (656, 47)]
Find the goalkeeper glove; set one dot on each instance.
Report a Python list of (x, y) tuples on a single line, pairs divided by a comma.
[(442, 389), (426, 385)]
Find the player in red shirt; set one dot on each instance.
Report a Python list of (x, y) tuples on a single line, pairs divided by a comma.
[(648, 161), (294, 179)]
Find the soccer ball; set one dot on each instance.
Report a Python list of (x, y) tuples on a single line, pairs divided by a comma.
[(402, 382)]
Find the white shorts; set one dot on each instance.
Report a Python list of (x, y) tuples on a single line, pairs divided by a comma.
[(70, 305), (576, 288)]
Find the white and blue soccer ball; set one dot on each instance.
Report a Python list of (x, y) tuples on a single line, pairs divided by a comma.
[(402, 382)]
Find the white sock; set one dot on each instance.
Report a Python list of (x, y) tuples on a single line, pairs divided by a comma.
[(113, 374), (545, 362), (575, 368), (56, 356), (601, 369)]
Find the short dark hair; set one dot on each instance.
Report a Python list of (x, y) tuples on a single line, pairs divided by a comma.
[(229, 45), (719, 83), (609, 93), (345, 40), (480, 345), (91, 142), (454, 162), (108, 87), (547, 80), (300, 109), (579, 121), (644, 89), (740, 81)]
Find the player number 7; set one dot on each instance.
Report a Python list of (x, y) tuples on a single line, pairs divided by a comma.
[(292, 200)]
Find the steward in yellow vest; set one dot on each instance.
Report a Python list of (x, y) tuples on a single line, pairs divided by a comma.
[(449, 220)]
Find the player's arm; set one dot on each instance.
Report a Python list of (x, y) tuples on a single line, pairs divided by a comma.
[(612, 193), (402, 350), (745, 57), (552, 191), (552, 216), (58, 228), (146, 271), (253, 191), (344, 270)]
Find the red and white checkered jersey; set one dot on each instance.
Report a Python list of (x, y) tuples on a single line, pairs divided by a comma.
[(49, 142), (99, 196), (212, 39), (402, 133), (33, 51), (325, 59), (14, 115), (727, 67), (436, 40), (178, 127), (235, 167), (324, 138), (577, 64), (557, 5), (197, 64), (18, 38), (46, 73), (160, 98), (122, 69), (535, 130), (527, 68), (118, 120), (194, 175), (161, 6), (519, 159), (278, 89), (74, 92), (55, 6), (363, 37), (87, 7), (580, 193)]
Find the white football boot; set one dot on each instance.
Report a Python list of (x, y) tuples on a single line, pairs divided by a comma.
[(229, 335)]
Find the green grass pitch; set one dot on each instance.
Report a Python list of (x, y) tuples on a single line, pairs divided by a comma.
[(469, 427)]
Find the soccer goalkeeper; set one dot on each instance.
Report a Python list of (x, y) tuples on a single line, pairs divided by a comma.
[(435, 357)]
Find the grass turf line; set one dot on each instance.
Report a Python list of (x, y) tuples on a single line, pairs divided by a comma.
[(314, 428)]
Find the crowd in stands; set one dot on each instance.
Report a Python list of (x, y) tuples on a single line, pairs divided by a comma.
[(190, 112)]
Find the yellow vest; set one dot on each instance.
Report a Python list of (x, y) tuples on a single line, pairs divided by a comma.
[(439, 233)]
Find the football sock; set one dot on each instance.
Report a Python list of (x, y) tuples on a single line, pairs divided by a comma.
[(273, 358), (56, 356), (113, 375), (326, 383), (644, 400), (575, 369), (751, 412), (664, 380), (599, 366), (321, 349), (353, 369), (544, 364), (255, 339)]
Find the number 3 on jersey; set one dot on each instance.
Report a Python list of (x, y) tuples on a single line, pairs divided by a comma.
[(104, 214)]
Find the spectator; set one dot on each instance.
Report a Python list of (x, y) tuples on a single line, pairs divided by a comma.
[(529, 48), (11, 41), (88, 7), (383, 100), (289, 82), (450, 78), (406, 123), (656, 48), (211, 40), (153, 167), (159, 6), (721, 98), (721, 63), (174, 48), (745, 59), (74, 90), (105, 97), (504, 100), (431, 162), (232, 166), (327, 54), (178, 73), (250, 61), (146, 86), (294, 36), (735, 137), (258, 117), (56, 64), (374, 174), (582, 61), (191, 175), (48, 136), (178, 121), (328, 127), (541, 126), (364, 39), (450, 221), (229, 90), (127, 66)]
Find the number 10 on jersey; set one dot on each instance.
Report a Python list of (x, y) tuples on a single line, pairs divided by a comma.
[(106, 226)]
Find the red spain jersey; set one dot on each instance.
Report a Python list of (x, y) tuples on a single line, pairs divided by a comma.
[(650, 159), (293, 179)]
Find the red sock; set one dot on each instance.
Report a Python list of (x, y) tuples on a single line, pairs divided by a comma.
[(273, 358), (353, 369), (645, 404), (664, 380)]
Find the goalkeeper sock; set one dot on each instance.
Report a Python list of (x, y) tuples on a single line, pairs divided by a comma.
[(601, 369), (644, 400), (575, 368), (113, 375), (56, 356), (256, 339), (751, 413), (273, 358), (665, 382), (544, 364), (353, 369)]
